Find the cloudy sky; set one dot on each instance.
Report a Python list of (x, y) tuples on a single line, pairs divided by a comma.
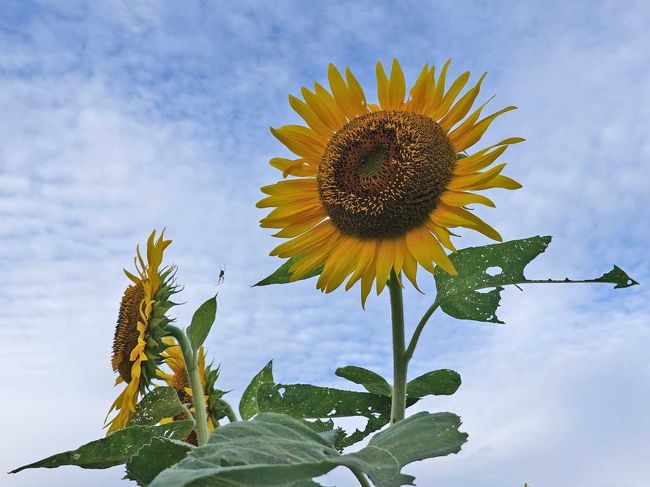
[(118, 117)]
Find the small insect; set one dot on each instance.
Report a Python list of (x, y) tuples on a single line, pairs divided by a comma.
[(222, 275)]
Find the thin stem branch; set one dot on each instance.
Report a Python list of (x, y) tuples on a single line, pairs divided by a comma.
[(398, 403), (192, 368), (418, 331), (230, 414), (360, 477)]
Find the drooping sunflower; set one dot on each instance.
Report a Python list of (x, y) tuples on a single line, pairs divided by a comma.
[(179, 379), (379, 186), (138, 342)]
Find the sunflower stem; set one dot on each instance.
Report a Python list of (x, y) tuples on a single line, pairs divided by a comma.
[(400, 361), (227, 408), (418, 330), (192, 366), (360, 477)]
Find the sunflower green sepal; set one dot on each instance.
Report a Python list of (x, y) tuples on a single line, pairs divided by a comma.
[(283, 274)]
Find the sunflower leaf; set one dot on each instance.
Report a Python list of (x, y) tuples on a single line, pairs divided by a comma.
[(304, 401), (202, 322), (370, 380), (437, 382), (475, 293), (248, 402), (155, 457), (282, 274), (115, 449), (161, 402), (276, 450)]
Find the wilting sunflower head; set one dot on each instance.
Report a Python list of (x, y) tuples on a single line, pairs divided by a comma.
[(138, 342), (379, 186)]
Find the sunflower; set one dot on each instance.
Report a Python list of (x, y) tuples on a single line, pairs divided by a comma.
[(179, 379), (138, 341), (378, 187)]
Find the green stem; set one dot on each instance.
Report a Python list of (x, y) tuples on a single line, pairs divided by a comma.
[(418, 330), (360, 477), (192, 367), (230, 414), (400, 363)]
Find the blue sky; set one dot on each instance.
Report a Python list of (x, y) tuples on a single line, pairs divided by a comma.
[(120, 117)]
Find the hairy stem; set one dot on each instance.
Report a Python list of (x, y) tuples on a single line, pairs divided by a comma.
[(360, 477), (418, 331), (400, 362), (192, 367), (230, 414)]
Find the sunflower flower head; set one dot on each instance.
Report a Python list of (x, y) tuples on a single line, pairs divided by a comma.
[(179, 379), (377, 187), (138, 342)]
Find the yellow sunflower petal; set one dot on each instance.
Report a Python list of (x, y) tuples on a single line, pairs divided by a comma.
[(442, 234), (356, 92), (397, 87), (301, 140), (417, 97), (309, 116), (384, 262), (320, 107), (472, 136), (339, 264), (410, 267), (478, 161), (449, 97), (383, 87), (450, 216), (327, 98), (461, 198), (470, 181), (439, 90), (364, 259), (462, 106), (499, 181), (341, 93)]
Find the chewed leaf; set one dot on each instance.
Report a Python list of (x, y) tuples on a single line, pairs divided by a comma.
[(161, 402), (304, 401), (116, 448), (275, 450), (475, 292), (372, 381), (155, 457), (617, 276), (282, 274), (248, 403)]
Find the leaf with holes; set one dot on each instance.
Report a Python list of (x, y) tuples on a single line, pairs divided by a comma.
[(460, 296), (304, 401), (116, 448), (276, 450), (155, 457), (161, 402), (370, 380), (437, 383), (248, 402), (282, 274)]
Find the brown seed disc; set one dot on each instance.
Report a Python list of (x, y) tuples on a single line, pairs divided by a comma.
[(126, 331), (382, 173)]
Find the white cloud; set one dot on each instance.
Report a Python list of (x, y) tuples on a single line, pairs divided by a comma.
[(119, 119)]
